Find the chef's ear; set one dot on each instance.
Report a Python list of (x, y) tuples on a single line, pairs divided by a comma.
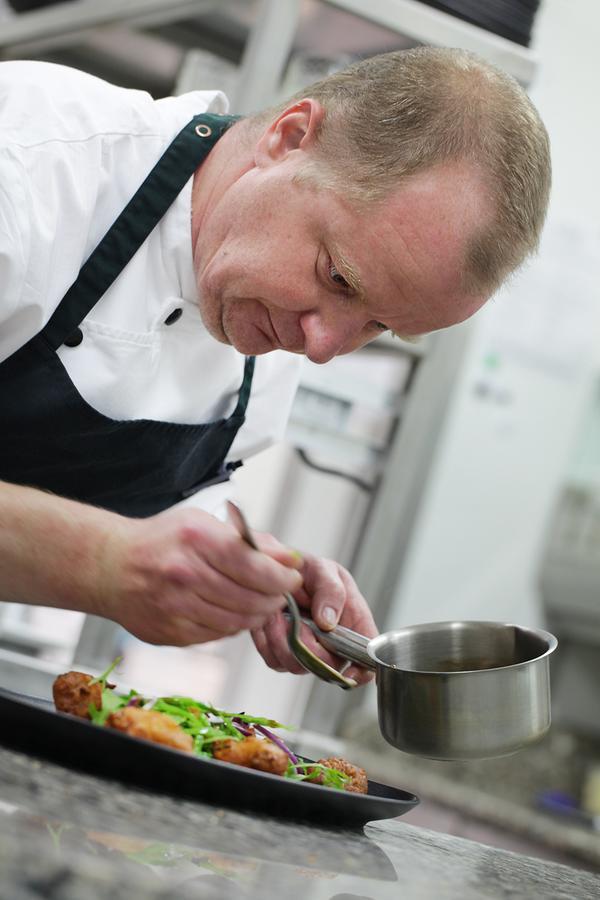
[(296, 128)]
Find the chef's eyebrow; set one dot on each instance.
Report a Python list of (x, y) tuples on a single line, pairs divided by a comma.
[(351, 276), (348, 272)]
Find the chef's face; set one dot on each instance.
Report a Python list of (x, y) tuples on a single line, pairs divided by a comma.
[(283, 263)]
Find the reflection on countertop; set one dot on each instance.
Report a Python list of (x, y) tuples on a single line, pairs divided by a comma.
[(86, 851), (65, 835)]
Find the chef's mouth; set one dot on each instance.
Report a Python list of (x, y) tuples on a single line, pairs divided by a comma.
[(264, 330), (280, 344)]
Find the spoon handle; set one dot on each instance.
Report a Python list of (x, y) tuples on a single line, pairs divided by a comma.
[(305, 657), (343, 642)]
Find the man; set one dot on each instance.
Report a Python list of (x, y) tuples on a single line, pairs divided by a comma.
[(397, 194)]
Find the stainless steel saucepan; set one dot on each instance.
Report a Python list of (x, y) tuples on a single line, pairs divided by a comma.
[(455, 690)]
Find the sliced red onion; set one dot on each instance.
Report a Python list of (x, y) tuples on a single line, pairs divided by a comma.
[(247, 732), (278, 741)]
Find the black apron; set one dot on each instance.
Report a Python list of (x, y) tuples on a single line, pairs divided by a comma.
[(52, 439)]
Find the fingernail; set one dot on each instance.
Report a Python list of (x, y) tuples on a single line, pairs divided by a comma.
[(297, 555), (329, 616), (359, 675), (297, 578)]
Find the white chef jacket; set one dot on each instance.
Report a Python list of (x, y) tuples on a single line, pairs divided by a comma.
[(73, 150)]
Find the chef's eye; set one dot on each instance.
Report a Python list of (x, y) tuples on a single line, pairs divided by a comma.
[(337, 277)]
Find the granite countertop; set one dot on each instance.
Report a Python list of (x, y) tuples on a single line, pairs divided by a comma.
[(68, 835), (502, 791)]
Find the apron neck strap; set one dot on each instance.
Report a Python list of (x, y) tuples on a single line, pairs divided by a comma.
[(244, 394), (143, 212)]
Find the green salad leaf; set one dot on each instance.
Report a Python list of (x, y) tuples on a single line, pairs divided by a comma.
[(102, 679), (312, 771), (207, 724)]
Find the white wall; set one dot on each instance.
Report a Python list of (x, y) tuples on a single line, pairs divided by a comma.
[(519, 400), (565, 91)]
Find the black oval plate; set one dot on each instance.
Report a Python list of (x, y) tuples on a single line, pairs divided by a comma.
[(33, 725)]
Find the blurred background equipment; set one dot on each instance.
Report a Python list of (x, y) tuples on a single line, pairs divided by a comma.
[(511, 19), (143, 43), (570, 568)]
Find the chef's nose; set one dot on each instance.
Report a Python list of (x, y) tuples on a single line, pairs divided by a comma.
[(324, 337)]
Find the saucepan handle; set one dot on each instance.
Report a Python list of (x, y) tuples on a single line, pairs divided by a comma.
[(343, 642)]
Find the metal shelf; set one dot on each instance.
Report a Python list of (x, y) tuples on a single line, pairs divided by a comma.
[(271, 38), (427, 25), (60, 24)]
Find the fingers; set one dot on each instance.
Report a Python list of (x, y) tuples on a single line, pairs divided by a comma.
[(234, 587), (357, 614), (183, 632), (271, 641), (224, 621), (214, 601), (185, 577), (360, 675), (278, 551), (172, 630), (189, 578), (217, 589), (162, 625), (227, 553), (335, 597), (332, 596), (327, 591)]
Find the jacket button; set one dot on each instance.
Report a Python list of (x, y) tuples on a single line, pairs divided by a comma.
[(74, 339), (174, 316)]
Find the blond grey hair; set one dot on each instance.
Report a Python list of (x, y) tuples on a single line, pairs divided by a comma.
[(394, 115)]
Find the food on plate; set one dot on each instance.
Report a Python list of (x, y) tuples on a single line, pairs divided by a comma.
[(75, 692), (191, 726), (254, 752), (357, 777), (153, 726)]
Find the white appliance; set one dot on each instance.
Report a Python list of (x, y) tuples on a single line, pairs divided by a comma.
[(570, 581)]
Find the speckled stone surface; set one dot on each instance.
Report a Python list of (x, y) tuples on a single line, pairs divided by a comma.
[(501, 791), (71, 836)]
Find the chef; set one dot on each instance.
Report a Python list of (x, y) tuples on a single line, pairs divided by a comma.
[(165, 266)]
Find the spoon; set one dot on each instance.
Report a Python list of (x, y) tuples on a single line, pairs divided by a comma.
[(305, 657)]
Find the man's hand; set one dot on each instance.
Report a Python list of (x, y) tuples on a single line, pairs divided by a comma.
[(183, 577), (330, 596)]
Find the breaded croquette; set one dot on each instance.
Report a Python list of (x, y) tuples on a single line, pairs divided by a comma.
[(358, 783), (73, 694), (254, 753), (151, 725)]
